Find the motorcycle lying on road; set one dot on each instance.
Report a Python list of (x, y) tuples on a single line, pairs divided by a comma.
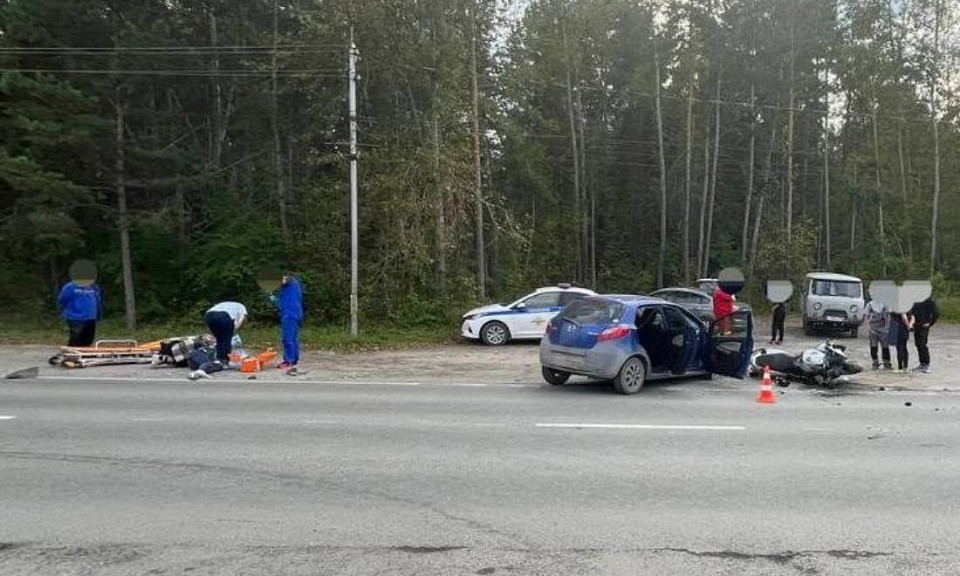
[(824, 365)]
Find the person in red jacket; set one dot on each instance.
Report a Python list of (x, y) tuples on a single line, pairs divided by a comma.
[(722, 309)]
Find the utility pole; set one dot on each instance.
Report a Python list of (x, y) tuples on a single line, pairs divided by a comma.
[(354, 268)]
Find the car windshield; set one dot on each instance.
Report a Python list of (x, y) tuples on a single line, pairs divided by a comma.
[(592, 311), (836, 288)]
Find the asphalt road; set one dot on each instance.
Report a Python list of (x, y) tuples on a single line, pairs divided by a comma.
[(114, 478)]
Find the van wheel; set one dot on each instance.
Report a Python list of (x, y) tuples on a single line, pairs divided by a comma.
[(494, 334), (854, 332), (554, 377), (631, 377), (807, 330)]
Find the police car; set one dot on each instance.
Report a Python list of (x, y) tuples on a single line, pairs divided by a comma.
[(526, 318)]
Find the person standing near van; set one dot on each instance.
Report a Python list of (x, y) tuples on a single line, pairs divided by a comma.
[(899, 333), (223, 320), (925, 314), (878, 322), (779, 318), (81, 305)]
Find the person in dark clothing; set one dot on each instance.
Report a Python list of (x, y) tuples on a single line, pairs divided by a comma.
[(81, 305), (779, 317), (289, 303), (925, 314), (223, 320), (899, 334)]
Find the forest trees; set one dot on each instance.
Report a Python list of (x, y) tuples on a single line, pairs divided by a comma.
[(619, 144)]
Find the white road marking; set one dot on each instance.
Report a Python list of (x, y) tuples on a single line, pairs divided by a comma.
[(147, 419), (640, 426), (319, 422), (7, 417)]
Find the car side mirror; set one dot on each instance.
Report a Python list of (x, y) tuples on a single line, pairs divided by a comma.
[(520, 306)]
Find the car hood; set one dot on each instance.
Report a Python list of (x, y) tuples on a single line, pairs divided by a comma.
[(487, 309)]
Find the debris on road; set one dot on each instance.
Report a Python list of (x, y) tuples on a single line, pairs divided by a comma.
[(24, 374)]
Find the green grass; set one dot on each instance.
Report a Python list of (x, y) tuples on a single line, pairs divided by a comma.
[(256, 335), (949, 309)]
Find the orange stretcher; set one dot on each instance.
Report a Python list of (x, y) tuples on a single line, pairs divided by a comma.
[(105, 352)]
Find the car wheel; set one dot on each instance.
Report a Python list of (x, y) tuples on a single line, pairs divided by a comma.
[(807, 330), (854, 332), (631, 377), (494, 334), (554, 377)]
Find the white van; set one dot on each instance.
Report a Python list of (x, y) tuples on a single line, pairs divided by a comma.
[(832, 302)]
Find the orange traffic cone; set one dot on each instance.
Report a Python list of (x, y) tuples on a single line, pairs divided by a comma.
[(766, 395)]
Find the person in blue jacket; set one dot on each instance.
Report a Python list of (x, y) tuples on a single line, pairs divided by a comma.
[(81, 305), (289, 303)]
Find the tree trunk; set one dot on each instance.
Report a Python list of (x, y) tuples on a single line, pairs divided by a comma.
[(477, 167), (876, 161), (701, 237), (440, 206), (767, 177), (663, 175), (123, 217), (576, 173), (571, 115), (686, 190), (275, 113), (826, 183), (584, 184), (756, 233), (853, 213), (790, 122), (713, 182), (853, 229), (747, 205), (934, 220), (217, 96), (902, 164)]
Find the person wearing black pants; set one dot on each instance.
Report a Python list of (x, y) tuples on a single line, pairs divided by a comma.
[(779, 317), (223, 320), (925, 315), (900, 334), (81, 305)]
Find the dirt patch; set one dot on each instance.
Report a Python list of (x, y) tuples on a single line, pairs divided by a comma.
[(465, 363)]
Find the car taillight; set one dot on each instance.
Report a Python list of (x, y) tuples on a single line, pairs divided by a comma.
[(614, 333), (551, 327)]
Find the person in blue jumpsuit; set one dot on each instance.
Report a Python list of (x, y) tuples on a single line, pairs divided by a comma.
[(289, 303), (81, 305)]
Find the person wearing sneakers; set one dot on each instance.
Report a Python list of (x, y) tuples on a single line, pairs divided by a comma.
[(289, 303), (925, 314), (899, 334), (878, 321)]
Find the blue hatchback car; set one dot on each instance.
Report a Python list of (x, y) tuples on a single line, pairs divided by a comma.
[(633, 339)]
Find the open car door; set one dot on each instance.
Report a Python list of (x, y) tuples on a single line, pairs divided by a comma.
[(730, 344)]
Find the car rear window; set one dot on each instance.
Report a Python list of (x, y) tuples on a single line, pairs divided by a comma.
[(836, 288), (593, 311)]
